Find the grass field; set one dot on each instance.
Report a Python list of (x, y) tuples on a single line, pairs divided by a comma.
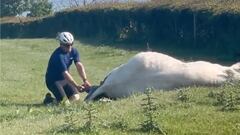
[(189, 111)]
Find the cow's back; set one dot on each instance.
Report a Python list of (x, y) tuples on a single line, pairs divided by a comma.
[(160, 71), (144, 70)]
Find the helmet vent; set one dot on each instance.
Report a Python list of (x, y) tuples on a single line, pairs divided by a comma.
[(66, 38)]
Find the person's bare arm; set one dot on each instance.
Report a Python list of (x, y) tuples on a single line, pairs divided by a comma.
[(82, 73), (70, 79)]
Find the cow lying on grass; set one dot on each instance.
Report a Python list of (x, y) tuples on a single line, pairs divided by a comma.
[(159, 71)]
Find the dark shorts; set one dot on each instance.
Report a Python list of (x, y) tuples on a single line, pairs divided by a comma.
[(69, 91)]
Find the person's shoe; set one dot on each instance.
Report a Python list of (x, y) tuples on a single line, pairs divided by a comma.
[(48, 99)]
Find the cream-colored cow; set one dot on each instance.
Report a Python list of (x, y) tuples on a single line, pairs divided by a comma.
[(160, 71)]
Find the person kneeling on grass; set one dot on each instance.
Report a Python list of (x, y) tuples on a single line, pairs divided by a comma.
[(58, 79)]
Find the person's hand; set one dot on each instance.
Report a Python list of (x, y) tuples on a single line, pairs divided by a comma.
[(87, 84), (80, 88)]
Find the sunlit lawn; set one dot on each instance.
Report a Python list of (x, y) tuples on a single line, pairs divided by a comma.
[(23, 64)]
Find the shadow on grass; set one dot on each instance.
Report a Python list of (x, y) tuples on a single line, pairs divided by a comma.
[(119, 45), (183, 53), (70, 129), (140, 131), (8, 104), (10, 117), (16, 113)]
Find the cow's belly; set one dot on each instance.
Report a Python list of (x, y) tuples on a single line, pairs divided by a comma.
[(140, 82)]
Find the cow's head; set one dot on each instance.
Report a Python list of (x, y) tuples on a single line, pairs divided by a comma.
[(94, 94)]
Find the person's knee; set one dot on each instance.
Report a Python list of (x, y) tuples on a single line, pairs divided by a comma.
[(75, 97)]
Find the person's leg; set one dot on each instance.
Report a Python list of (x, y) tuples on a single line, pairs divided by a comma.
[(55, 91), (71, 92), (62, 89), (67, 90)]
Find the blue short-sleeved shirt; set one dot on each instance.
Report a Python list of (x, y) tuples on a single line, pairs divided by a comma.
[(59, 62)]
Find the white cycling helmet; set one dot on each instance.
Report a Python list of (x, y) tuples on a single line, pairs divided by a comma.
[(65, 38)]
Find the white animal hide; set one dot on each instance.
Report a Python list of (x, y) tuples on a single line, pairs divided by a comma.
[(160, 71)]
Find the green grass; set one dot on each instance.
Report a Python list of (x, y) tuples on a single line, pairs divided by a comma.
[(23, 63)]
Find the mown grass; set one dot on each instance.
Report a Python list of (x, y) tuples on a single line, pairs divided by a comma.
[(23, 64)]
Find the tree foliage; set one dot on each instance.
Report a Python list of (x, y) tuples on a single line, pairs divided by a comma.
[(40, 8), (12, 7), (17, 7)]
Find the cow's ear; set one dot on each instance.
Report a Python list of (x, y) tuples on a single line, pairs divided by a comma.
[(229, 73), (236, 67)]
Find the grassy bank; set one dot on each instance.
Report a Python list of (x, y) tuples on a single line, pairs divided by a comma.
[(204, 110), (188, 24)]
